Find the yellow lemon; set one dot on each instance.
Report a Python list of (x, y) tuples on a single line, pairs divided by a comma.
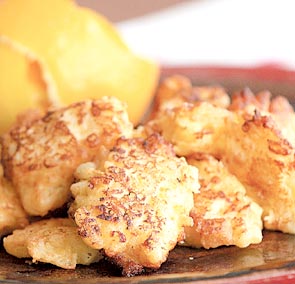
[(56, 52), (20, 86)]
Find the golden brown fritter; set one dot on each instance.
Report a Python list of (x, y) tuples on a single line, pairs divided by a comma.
[(176, 90), (214, 95), (263, 160), (191, 128), (54, 241), (40, 157), (12, 215), (136, 208), (189, 117), (223, 214), (253, 147), (172, 91), (16, 244), (278, 108), (246, 101)]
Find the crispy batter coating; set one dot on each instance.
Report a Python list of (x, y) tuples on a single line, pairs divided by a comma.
[(40, 156), (223, 214), (136, 208), (12, 215), (54, 241), (252, 146)]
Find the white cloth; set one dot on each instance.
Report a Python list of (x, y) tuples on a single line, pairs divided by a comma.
[(218, 32)]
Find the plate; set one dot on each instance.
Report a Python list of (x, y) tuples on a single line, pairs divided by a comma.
[(272, 261)]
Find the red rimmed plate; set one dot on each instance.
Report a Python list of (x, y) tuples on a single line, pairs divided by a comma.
[(272, 261), (278, 80)]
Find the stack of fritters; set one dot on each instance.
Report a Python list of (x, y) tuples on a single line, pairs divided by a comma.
[(205, 170), (252, 137)]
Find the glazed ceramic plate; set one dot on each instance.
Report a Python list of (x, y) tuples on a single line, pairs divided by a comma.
[(272, 261)]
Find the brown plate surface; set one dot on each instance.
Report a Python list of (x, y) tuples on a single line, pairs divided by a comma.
[(268, 262), (272, 261)]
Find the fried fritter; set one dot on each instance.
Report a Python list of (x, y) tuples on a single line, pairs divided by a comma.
[(278, 108), (246, 101), (263, 160), (214, 95), (136, 208), (16, 244), (176, 90), (41, 156), (54, 241), (192, 127), (189, 117), (223, 214), (12, 215), (253, 147)]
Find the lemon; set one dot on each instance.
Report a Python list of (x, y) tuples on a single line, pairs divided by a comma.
[(56, 52)]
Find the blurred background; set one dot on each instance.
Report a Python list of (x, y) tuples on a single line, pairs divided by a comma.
[(206, 32)]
